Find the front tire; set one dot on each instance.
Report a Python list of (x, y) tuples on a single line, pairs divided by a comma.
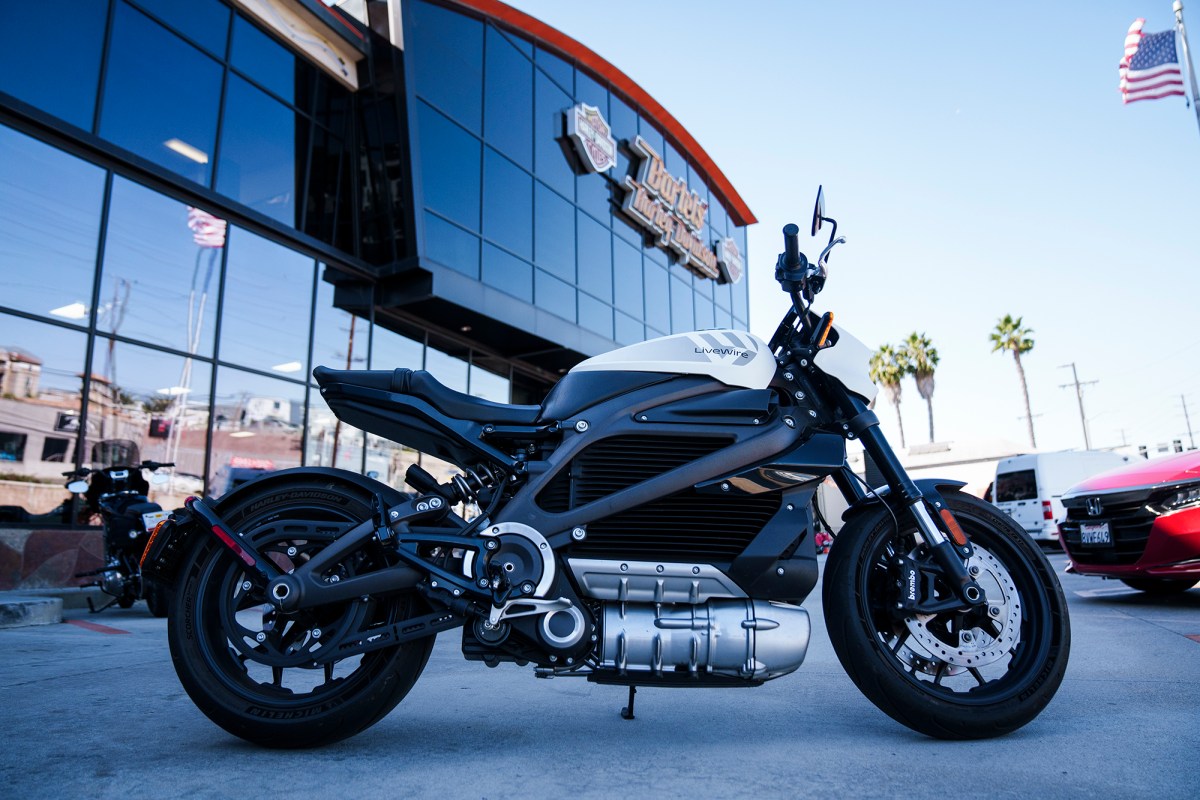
[(953, 675), (251, 669)]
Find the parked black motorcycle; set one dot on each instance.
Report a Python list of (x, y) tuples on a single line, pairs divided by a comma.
[(118, 495), (648, 524)]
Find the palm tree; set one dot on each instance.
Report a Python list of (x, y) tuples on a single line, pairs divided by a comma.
[(1010, 335), (922, 360), (889, 365)]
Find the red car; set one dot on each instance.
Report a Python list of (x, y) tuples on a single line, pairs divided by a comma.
[(1139, 524)]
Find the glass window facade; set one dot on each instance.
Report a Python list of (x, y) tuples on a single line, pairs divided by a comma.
[(590, 263), (186, 236)]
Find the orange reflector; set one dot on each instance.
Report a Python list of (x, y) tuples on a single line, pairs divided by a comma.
[(956, 532), (150, 542), (825, 332)]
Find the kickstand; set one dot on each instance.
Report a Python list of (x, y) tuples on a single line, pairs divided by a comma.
[(627, 711), (92, 606)]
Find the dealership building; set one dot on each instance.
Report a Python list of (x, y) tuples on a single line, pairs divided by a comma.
[(201, 200)]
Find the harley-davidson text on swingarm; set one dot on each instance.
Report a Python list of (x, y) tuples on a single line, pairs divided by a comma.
[(650, 523), (119, 495)]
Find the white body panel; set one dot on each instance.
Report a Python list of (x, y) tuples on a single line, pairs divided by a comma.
[(1026, 486), (735, 358), (850, 362)]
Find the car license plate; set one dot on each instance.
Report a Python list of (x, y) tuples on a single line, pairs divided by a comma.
[(152, 518), (1095, 534)]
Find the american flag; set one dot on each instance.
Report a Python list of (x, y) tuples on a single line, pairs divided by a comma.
[(1150, 68)]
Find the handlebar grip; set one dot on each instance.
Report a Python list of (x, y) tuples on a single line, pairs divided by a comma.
[(791, 246)]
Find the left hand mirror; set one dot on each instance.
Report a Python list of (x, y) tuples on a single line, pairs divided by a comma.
[(818, 210), (78, 487)]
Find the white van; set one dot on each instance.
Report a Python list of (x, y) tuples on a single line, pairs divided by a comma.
[(1029, 487)]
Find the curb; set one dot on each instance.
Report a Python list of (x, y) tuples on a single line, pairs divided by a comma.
[(19, 612)]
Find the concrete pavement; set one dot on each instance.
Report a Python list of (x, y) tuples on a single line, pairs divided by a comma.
[(93, 708)]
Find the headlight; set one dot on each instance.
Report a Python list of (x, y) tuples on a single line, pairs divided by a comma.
[(1181, 498)]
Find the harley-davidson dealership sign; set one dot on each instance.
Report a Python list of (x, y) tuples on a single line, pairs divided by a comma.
[(656, 200)]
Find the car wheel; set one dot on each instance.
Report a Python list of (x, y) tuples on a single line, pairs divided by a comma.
[(1160, 586)]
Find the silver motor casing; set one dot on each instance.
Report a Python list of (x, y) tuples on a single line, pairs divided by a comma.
[(739, 638)]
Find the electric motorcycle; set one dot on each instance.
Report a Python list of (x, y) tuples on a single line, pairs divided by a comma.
[(648, 524), (118, 495)]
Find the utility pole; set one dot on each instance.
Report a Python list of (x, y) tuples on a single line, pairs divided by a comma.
[(1188, 420), (1087, 439)]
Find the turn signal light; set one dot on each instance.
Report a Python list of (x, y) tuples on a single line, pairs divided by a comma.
[(150, 542), (823, 334), (1047, 513), (956, 531)]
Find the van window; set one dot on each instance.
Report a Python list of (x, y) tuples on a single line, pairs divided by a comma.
[(1020, 485)]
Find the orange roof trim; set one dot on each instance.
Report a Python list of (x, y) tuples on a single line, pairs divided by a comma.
[(564, 45)]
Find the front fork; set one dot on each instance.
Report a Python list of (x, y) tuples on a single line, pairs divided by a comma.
[(950, 547)]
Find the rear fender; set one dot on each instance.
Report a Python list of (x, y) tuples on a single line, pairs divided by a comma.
[(172, 539)]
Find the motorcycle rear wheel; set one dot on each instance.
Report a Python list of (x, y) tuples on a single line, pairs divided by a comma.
[(954, 675), (251, 669)]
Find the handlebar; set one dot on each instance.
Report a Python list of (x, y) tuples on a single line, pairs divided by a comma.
[(83, 472), (792, 257)]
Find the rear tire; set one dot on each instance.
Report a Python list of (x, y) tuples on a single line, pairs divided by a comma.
[(267, 690), (1160, 586), (156, 597), (953, 675)]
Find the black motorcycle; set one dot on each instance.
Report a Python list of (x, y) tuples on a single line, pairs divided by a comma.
[(649, 524), (118, 495)]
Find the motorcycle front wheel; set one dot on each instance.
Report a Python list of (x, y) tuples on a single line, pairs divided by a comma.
[(258, 673), (957, 674)]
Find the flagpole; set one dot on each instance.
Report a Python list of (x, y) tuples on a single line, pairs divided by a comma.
[(1187, 55)]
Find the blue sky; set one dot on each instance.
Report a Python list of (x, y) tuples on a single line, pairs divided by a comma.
[(980, 162)]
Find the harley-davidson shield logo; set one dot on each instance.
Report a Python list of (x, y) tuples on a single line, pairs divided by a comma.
[(592, 137)]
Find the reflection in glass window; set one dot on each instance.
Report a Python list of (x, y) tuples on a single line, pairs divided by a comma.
[(265, 61), (704, 311), (594, 247), (554, 295), (595, 315), (331, 442), (204, 21), (682, 319), (257, 428), (508, 102), (628, 330), (627, 278), (449, 168), (40, 403), (489, 385), (391, 350), (49, 225), (166, 115), (268, 301), (658, 308), (153, 403), (551, 160), (444, 51), (327, 202), (554, 233), (261, 143), (450, 245), (507, 273), (508, 204), (162, 261), (340, 339), (52, 61), (562, 72), (447, 369), (388, 461)]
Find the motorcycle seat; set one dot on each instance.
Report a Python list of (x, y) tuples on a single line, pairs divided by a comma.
[(419, 383)]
